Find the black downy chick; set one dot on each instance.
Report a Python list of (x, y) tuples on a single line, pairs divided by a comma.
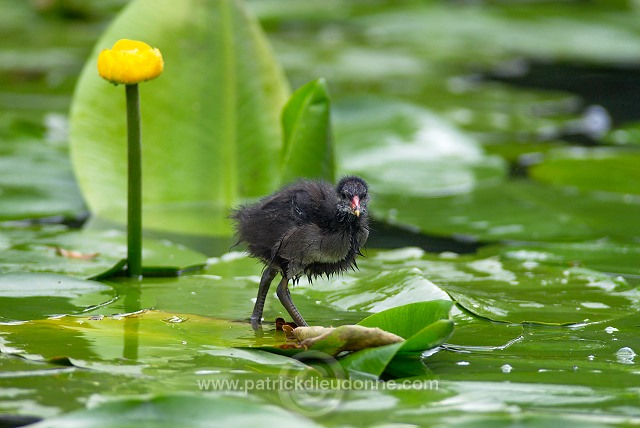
[(306, 228)]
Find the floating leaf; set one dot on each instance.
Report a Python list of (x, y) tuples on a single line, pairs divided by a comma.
[(405, 149), (28, 296), (36, 250), (50, 192), (603, 169), (179, 410), (607, 256), (525, 287), (516, 210)]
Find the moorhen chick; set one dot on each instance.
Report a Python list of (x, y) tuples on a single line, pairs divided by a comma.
[(306, 228)]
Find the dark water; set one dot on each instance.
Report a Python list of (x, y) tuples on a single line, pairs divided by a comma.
[(615, 88)]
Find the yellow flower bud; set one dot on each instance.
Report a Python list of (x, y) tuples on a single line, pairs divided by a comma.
[(130, 62)]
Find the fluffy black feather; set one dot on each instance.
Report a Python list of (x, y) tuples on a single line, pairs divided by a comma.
[(306, 228)]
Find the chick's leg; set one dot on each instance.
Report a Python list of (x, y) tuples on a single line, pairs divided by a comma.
[(265, 282), (285, 299)]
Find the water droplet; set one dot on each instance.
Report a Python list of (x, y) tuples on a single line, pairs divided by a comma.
[(594, 305), (591, 357), (463, 363), (610, 329), (175, 319), (506, 368), (449, 255), (625, 355)]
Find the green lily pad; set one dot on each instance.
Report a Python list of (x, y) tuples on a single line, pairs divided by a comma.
[(370, 363), (173, 410), (626, 135), (84, 253), (409, 320), (416, 162), (531, 291), (521, 286), (395, 145), (608, 256), (28, 296), (515, 210), (595, 170), (139, 336), (50, 192)]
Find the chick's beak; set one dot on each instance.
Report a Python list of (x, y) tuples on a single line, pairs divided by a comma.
[(355, 205)]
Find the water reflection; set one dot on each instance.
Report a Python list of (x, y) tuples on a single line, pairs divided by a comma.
[(131, 322)]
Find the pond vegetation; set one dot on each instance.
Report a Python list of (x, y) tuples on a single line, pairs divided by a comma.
[(500, 142)]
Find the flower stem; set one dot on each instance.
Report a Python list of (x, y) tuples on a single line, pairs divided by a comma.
[(134, 190)]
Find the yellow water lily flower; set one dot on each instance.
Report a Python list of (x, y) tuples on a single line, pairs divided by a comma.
[(130, 62)]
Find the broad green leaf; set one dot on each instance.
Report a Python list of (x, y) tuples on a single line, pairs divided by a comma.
[(408, 320), (25, 194), (28, 296), (416, 162), (406, 150), (475, 359), (608, 256), (429, 337), (84, 253), (369, 363), (628, 134), (140, 336), (179, 410), (308, 144), (210, 122), (374, 290), (533, 32), (592, 355), (375, 361), (527, 290), (519, 286), (595, 170), (515, 210)]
